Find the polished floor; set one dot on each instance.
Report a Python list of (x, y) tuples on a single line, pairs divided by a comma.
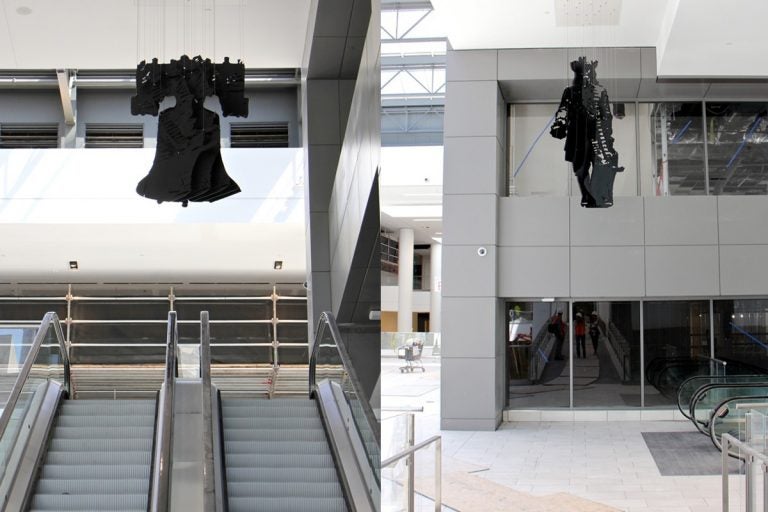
[(587, 465)]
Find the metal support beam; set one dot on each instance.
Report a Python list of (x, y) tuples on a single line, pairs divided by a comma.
[(67, 91)]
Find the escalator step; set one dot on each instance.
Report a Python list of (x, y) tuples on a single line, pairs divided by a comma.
[(108, 407), (93, 487), (236, 460), (286, 504), (296, 435), (264, 403), (284, 412), (277, 447), (105, 421), (118, 470), (121, 433), (101, 445), (273, 423), (284, 490), (83, 502), (264, 475), (130, 458)]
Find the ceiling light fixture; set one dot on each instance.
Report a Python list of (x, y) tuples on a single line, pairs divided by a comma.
[(278, 265)]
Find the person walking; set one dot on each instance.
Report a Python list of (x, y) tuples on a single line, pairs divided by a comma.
[(580, 330), (594, 329), (558, 327)]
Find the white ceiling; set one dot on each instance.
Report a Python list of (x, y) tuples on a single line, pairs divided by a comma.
[(694, 38), (116, 34)]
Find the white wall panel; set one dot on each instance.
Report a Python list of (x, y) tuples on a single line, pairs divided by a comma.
[(533, 221), (682, 271), (742, 269), (607, 272), (472, 219), (471, 396), (469, 165), (533, 272), (475, 320), (472, 275), (681, 220), (621, 224), (471, 65), (470, 109), (743, 219)]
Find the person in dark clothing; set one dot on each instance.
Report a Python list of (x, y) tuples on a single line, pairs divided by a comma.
[(594, 329), (584, 120), (558, 327), (580, 331)]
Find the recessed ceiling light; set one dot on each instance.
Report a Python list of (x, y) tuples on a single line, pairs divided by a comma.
[(278, 265), (23, 10)]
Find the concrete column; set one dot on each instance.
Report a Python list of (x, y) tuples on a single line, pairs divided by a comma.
[(405, 281), (472, 330), (435, 281)]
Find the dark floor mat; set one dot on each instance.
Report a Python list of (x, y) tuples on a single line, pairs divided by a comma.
[(685, 454)]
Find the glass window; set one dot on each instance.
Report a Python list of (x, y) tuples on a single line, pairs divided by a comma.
[(606, 352), (741, 331), (537, 357), (736, 149), (674, 155), (538, 159), (676, 347)]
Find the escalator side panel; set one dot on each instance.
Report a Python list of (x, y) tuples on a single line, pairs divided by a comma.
[(38, 423)]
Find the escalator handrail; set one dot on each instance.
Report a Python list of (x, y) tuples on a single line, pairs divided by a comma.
[(711, 427), (710, 379), (328, 320), (50, 318), (210, 488), (701, 392), (161, 458)]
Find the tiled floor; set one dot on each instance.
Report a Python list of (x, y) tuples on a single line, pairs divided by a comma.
[(602, 461)]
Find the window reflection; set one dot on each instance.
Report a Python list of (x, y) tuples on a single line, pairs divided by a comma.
[(736, 146)]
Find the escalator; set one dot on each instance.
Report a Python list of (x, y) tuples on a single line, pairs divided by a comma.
[(57, 453), (187, 448), (98, 458), (319, 453), (278, 458)]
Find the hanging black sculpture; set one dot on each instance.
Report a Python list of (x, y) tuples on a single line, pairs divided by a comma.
[(188, 165), (584, 119)]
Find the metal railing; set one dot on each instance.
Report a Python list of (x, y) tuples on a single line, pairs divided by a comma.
[(30, 388), (752, 458), (328, 321), (70, 321), (410, 453), (161, 458)]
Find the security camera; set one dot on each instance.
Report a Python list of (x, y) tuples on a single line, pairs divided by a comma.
[(482, 251), (305, 285)]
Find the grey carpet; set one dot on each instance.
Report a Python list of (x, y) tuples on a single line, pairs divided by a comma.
[(685, 454)]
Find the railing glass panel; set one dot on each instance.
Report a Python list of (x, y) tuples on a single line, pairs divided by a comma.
[(330, 360), (29, 367)]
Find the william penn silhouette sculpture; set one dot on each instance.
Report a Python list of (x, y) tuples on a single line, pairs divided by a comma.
[(188, 165), (584, 119)]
